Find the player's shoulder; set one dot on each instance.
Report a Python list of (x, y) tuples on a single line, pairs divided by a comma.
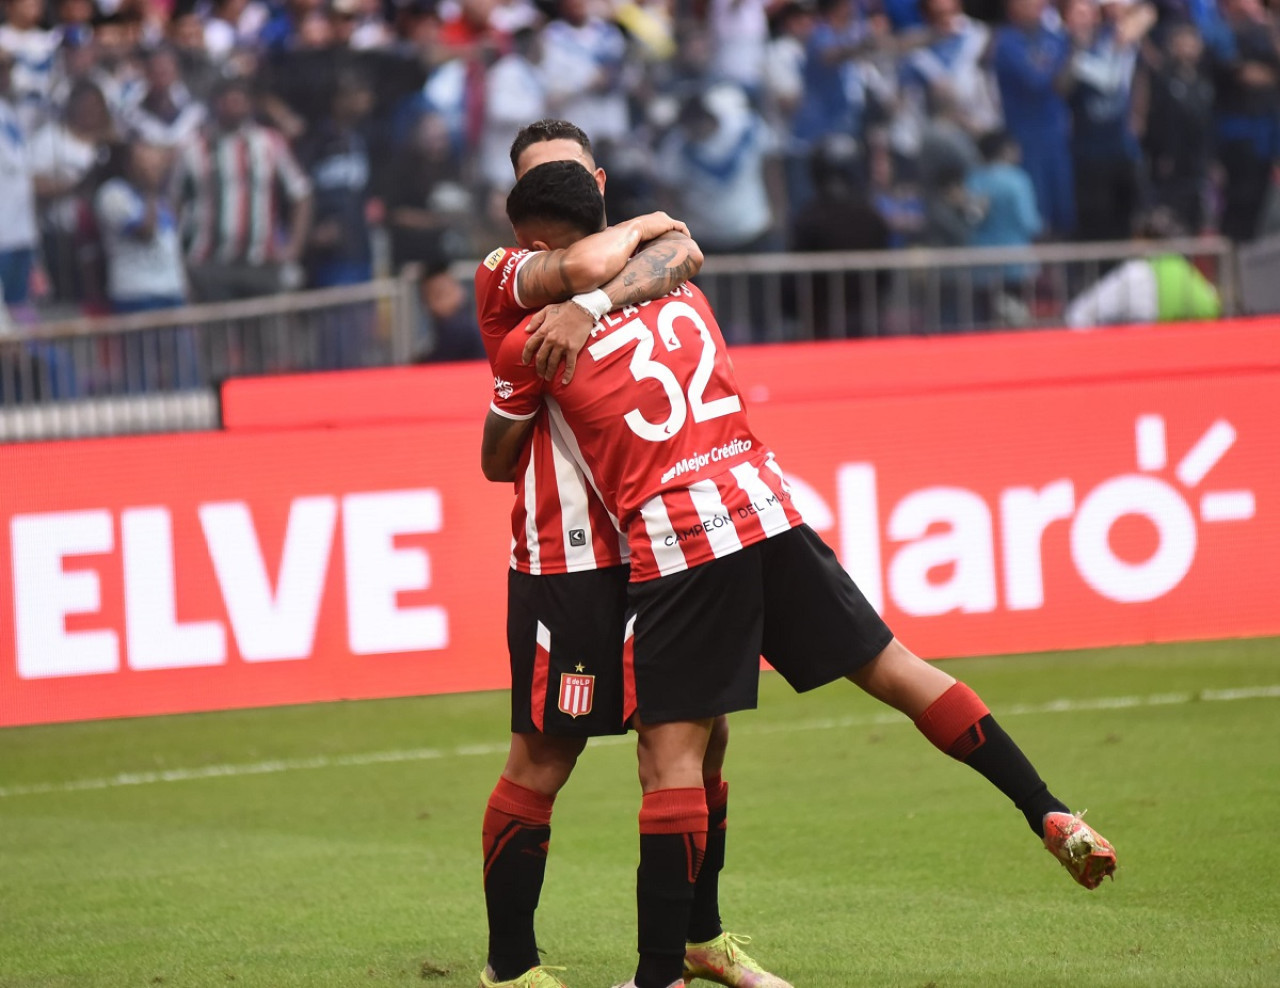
[(499, 266)]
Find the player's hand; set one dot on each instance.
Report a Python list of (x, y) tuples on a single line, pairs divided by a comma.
[(556, 334), (655, 224)]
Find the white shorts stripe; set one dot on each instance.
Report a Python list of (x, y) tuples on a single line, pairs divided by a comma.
[(716, 520), (667, 553), (544, 637), (770, 511)]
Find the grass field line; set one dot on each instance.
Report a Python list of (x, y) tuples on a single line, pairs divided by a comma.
[(276, 766)]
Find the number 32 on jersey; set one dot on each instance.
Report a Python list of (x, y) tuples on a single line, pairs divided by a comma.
[(644, 367)]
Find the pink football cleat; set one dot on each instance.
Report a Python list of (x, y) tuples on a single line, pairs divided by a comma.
[(1084, 852)]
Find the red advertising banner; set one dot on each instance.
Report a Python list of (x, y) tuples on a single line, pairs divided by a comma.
[(290, 561)]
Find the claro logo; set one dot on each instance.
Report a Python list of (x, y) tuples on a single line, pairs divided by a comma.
[(952, 530), (270, 623)]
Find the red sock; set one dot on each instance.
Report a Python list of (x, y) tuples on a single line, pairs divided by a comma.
[(959, 723), (704, 917), (516, 833), (673, 840), (951, 722)]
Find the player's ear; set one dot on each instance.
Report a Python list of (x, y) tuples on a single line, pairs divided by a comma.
[(600, 179), (541, 245)]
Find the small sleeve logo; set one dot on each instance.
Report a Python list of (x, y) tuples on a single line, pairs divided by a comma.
[(495, 258)]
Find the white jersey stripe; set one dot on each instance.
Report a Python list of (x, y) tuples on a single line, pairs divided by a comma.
[(531, 519), (575, 515), (769, 509), (667, 553), (571, 445), (717, 522)]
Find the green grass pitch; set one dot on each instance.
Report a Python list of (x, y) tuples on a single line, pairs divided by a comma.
[(338, 845)]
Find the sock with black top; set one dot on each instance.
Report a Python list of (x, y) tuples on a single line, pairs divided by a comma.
[(516, 833), (704, 919), (673, 840), (959, 724)]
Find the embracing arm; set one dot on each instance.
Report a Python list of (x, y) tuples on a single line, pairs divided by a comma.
[(555, 275), (502, 446), (560, 330)]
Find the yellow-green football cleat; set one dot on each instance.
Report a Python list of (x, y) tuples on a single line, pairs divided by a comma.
[(723, 961), (535, 977)]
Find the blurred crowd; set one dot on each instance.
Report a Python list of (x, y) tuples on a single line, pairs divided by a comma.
[(160, 151)]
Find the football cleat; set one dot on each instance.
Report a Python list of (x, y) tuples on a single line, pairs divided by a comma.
[(1084, 852), (723, 961), (535, 977), (632, 984)]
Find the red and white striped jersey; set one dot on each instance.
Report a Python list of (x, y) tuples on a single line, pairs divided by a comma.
[(558, 523), (229, 188), (655, 418)]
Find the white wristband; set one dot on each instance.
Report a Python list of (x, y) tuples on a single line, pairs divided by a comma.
[(596, 303)]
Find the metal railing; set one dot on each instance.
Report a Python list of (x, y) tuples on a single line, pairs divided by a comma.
[(195, 347), (778, 297), (100, 376), (1260, 276)]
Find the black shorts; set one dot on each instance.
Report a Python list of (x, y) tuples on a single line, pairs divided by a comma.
[(564, 633), (699, 634)]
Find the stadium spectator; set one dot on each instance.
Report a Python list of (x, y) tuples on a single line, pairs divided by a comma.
[(336, 157), (583, 64), (18, 236), (167, 115), (718, 167), (1104, 147), (140, 232), (839, 217), (1011, 220), (953, 64), (232, 182), (64, 156), (834, 99), (515, 94), (739, 32), (1029, 58), (429, 207), (1247, 82), (33, 51), (1160, 288), (233, 24), (1178, 129), (451, 329), (895, 196)]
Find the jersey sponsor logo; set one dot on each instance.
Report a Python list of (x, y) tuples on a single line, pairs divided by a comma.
[(697, 461), (495, 258), (509, 267), (503, 389), (577, 692)]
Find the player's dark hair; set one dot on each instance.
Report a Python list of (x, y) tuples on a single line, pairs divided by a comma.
[(548, 130), (557, 192)]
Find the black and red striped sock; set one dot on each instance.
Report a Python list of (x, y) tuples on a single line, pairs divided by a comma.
[(959, 724), (673, 840), (517, 830), (704, 919)]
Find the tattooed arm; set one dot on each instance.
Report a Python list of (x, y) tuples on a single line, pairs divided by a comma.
[(560, 330), (555, 275)]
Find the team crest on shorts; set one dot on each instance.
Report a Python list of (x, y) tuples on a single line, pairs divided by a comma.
[(576, 693)]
